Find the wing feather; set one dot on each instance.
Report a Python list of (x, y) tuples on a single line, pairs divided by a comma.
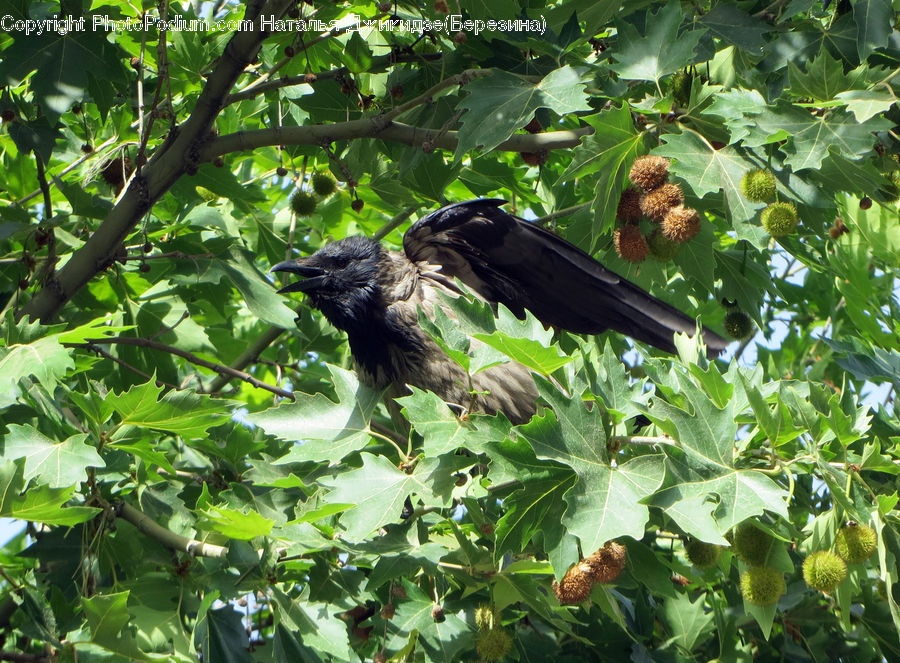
[(506, 259)]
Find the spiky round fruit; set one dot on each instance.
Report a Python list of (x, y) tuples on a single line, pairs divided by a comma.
[(144, 267), (662, 249), (532, 158), (441, 7), (357, 205), (629, 208), (289, 51), (493, 644), (303, 203), (838, 228), (281, 171), (460, 38), (630, 243), (606, 564), (576, 585), (486, 617), (87, 148), (219, 162), (533, 127), (656, 204), (751, 544), (7, 115), (681, 88), (701, 554), (323, 184), (680, 224), (779, 219), (762, 585), (738, 325), (147, 247), (865, 203), (855, 542), (824, 570), (388, 611), (758, 185), (648, 172)]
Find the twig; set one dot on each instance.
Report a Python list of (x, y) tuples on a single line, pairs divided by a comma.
[(246, 358), (103, 353), (192, 358), (23, 658), (397, 220), (167, 537), (561, 213), (68, 169), (378, 62), (393, 435), (619, 440)]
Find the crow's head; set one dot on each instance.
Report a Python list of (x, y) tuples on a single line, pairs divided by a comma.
[(340, 279)]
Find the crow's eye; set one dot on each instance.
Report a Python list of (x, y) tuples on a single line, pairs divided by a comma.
[(340, 263)]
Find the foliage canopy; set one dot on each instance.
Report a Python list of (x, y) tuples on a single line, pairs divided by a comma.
[(201, 471)]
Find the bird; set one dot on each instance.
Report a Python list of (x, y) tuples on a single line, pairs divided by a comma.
[(374, 294)]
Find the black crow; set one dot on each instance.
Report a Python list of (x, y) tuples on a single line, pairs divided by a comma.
[(374, 294)]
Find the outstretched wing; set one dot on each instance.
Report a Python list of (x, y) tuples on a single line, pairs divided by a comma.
[(523, 266)]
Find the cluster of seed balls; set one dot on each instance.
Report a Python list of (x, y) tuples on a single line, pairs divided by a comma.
[(763, 585), (304, 203), (778, 218), (659, 200), (605, 565)]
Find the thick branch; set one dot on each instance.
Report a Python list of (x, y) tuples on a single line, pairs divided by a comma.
[(167, 537), (168, 164), (321, 134)]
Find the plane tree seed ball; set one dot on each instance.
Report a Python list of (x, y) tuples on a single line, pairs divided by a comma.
[(630, 243), (656, 204), (681, 224), (649, 172), (856, 542), (758, 185), (779, 219), (762, 585), (824, 570)]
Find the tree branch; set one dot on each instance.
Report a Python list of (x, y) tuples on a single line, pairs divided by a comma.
[(373, 127), (184, 354), (167, 537), (168, 164), (246, 358)]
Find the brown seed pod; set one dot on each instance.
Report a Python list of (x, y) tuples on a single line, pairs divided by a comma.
[(576, 585), (441, 7), (357, 205), (656, 204), (648, 172), (630, 243), (533, 127), (681, 224), (629, 208), (310, 78), (460, 38), (606, 564)]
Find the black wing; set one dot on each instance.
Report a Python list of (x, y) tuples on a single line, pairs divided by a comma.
[(523, 266)]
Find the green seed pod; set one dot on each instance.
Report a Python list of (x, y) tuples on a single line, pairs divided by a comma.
[(758, 185), (762, 585), (303, 203), (824, 570), (701, 554), (856, 542), (779, 219)]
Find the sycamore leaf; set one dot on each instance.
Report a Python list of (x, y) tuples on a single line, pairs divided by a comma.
[(377, 492), (316, 623), (609, 151), (326, 430), (821, 79), (810, 136), (43, 358), (499, 104), (704, 492), (181, 412), (441, 640), (689, 622), (865, 104), (874, 21), (660, 51), (56, 464), (737, 27), (443, 432), (40, 504), (605, 501), (233, 523), (709, 170)]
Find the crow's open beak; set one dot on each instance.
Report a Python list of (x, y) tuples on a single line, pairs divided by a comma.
[(312, 276)]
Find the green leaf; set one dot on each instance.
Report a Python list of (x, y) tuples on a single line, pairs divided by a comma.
[(235, 524), (357, 54), (605, 502), (442, 430), (181, 412), (811, 136), (609, 151), (865, 104), (316, 623), (329, 430), (874, 20), (43, 358), (704, 492), (660, 51), (708, 170), (689, 622), (221, 636), (442, 641), (40, 504), (377, 491), (257, 292), (500, 103), (737, 27), (57, 464), (822, 79)]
